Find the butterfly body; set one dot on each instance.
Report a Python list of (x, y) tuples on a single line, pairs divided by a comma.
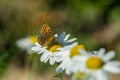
[(46, 36)]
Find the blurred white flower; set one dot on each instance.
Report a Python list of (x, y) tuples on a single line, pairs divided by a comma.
[(67, 58), (55, 52), (97, 64), (26, 43)]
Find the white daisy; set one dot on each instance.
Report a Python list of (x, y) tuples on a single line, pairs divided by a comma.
[(98, 65), (55, 52), (26, 43), (66, 58)]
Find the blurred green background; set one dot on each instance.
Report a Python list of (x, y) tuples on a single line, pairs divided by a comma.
[(96, 23)]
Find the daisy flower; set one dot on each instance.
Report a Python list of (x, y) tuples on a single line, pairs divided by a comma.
[(98, 64), (66, 58), (26, 43), (54, 52)]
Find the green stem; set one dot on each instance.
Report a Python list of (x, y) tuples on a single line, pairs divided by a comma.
[(61, 76)]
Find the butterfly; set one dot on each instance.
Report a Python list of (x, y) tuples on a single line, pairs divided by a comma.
[(46, 36)]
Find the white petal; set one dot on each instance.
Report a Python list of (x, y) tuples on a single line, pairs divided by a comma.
[(64, 64), (56, 35), (69, 46), (110, 55), (51, 61), (71, 40), (95, 52), (68, 71), (112, 67), (59, 70), (116, 63), (62, 36), (61, 67), (60, 53), (58, 58), (101, 52), (75, 43), (37, 44), (100, 75), (41, 51), (44, 57), (35, 49), (79, 58), (83, 52), (66, 37)]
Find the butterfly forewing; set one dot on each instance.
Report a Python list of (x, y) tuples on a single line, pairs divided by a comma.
[(45, 29)]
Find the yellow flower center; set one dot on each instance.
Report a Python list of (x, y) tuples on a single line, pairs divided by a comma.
[(80, 75), (94, 63), (32, 39), (75, 50), (53, 47)]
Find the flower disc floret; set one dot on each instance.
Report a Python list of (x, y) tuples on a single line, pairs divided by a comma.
[(94, 63), (75, 50), (32, 39), (54, 46)]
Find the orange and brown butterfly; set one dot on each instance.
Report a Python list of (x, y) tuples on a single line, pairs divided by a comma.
[(46, 36)]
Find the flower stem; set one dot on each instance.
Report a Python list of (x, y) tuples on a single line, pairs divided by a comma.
[(61, 76)]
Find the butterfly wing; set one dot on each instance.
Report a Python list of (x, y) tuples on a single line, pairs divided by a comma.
[(45, 29), (46, 36), (41, 40)]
